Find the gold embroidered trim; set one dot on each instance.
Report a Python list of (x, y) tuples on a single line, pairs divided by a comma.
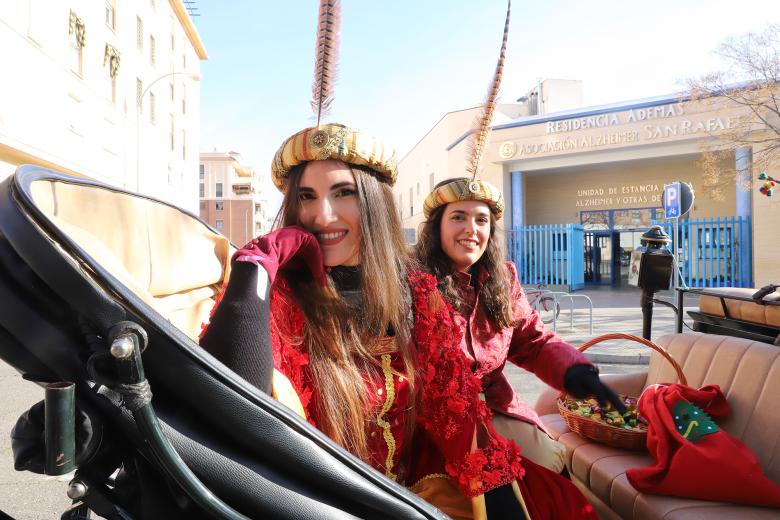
[(429, 477), (380, 418)]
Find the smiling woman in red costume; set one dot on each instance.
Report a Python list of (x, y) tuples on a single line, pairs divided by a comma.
[(459, 244)]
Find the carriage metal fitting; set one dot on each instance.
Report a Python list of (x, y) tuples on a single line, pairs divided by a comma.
[(76, 490), (60, 428), (122, 336), (122, 347)]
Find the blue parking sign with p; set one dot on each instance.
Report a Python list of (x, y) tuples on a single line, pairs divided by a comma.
[(672, 200)]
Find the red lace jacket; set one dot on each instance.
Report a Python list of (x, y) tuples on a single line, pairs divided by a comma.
[(453, 433), (529, 345)]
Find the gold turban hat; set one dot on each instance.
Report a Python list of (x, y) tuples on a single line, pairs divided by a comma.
[(465, 189), (333, 141)]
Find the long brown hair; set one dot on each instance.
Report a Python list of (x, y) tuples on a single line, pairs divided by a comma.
[(344, 344), (494, 294)]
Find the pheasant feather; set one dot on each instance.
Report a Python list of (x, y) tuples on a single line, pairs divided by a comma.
[(326, 60), (482, 122)]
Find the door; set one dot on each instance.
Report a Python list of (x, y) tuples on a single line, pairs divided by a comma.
[(599, 257)]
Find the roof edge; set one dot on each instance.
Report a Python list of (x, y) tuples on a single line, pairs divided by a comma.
[(595, 110), (189, 28)]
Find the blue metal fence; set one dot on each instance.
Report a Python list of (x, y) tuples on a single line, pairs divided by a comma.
[(714, 252), (550, 255)]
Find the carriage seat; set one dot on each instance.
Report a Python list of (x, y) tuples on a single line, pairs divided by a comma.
[(713, 303), (747, 371), (169, 259)]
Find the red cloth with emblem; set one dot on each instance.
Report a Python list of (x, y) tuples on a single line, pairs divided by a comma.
[(528, 345), (714, 466)]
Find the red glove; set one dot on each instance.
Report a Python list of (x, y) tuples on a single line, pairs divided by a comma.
[(288, 248)]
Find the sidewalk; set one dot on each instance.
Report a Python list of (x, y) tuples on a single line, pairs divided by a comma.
[(616, 310)]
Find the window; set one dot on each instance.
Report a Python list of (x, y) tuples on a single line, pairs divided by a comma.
[(172, 93), (76, 43), (183, 144), (109, 82), (219, 190), (113, 91), (152, 50), (202, 203), (172, 130), (418, 189), (151, 107), (173, 32), (139, 90), (153, 4), (432, 182), (202, 172), (183, 99), (219, 224), (411, 201), (219, 206), (139, 33), (202, 192), (183, 62), (111, 14)]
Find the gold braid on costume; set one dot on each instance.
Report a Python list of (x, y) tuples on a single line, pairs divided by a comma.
[(475, 189)]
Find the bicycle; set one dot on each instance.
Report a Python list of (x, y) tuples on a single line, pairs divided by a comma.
[(545, 305)]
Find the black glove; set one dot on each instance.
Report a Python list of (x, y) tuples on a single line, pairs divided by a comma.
[(583, 380), (239, 332), (758, 296)]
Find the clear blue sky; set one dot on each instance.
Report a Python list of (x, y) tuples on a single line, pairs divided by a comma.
[(404, 64)]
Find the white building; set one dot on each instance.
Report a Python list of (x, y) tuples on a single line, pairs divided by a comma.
[(72, 76)]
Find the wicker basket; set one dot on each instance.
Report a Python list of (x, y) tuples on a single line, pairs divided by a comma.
[(634, 439)]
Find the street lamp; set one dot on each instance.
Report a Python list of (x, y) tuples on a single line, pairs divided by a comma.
[(139, 104)]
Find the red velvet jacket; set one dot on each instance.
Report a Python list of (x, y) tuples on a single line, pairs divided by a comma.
[(448, 410), (529, 345)]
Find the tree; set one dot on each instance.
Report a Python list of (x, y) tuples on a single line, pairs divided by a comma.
[(749, 84)]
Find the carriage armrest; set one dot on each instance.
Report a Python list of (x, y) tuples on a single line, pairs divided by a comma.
[(624, 384)]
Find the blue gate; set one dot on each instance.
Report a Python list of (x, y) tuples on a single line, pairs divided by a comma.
[(714, 252), (549, 255)]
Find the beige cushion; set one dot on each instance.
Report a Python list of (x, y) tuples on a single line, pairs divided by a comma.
[(748, 373), (742, 310), (167, 258)]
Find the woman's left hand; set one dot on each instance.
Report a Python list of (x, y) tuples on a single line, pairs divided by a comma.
[(287, 247), (583, 380)]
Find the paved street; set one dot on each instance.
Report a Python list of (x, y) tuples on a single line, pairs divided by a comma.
[(616, 311)]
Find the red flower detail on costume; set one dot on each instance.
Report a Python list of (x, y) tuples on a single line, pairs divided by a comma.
[(287, 341), (449, 407)]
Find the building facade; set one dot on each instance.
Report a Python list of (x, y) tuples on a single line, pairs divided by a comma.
[(603, 169), (231, 197), (104, 89)]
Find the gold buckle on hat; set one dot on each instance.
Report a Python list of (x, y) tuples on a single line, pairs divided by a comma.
[(319, 138)]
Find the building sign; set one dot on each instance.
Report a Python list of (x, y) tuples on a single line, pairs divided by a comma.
[(660, 122), (626, 194), (632, 116), (617, 219)]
